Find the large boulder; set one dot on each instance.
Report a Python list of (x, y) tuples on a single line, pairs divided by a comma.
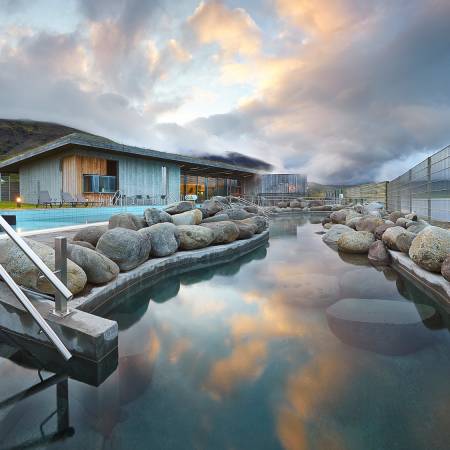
[(430, 248), (246, 229), (155, 215), (217, 218), (83, 244), (98, 268), (353, 222), (127, 248), (404, 241), (417, 227), (295, 204), (380, 229), (193, 217), (224, 232), (395, 215), (212, 206), (90, 234), (164, 239), (283, 204), (378, 254), (403, 222), (26, 274), (335, 232), (126, 220), (368, 223), (194, 236), (253, 209), (179, 207), (320, 208), (237, 214), (259, 221), (390, 237), (374, 208), (351, 215), (339, 217), (355, 242), (445, 269)]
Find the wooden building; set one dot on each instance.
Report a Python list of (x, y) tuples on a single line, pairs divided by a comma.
[(98, 169)]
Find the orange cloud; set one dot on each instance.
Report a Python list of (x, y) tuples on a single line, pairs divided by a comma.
[(232, 29)]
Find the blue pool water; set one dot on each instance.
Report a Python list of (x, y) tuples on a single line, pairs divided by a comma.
[(40, 219), (242, 356)]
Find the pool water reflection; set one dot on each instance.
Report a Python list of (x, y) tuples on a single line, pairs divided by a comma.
[(242, 356)]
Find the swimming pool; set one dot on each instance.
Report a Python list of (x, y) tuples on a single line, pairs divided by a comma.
[(243, 356), (40, 219)]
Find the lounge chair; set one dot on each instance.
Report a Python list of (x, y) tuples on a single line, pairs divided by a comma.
[(45, 200), (68, 199)]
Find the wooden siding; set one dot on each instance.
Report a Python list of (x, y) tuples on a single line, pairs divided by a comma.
[(73, 169), (44, 175)]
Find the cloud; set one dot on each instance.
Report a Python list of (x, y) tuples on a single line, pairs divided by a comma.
[(232, 29)]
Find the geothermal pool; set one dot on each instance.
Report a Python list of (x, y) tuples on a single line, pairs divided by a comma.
[(244, 356)]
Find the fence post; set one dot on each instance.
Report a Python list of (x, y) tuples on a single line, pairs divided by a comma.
[(61, 308), (429, 187)]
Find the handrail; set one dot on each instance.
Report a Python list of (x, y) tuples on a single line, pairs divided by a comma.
[(45, 327), (54, 280), (60, 287)]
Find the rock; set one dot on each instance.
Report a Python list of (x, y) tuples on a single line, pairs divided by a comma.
[(445, 269), (283, 204), (259, 221), (380, 229), (353, 222), (212, 206), (155, 215), (374, 207), (126, 220), (237, 214), (325, 220), (402, 222), (404, 241), (315, 203), (395, 215), (334, 233), (355, 242), (224, 232), (90, 234), (412, 216), (246, 229), (320, 208), (368, 223), (26, 274), (337, 207), (351, 215), (390, 237), (204, 212), (329, 225), (417, 227), (216, 218), (339, 217), (178, 207), (98, 268), (127, 248), (193, 217), (378, 254), (253, 209), (389, 327), (295, 204), (430, 248), (388, 222), (83, 244), (194, 236), (164, 239)]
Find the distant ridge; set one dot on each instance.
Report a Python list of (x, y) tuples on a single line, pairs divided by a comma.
[(17, 136)]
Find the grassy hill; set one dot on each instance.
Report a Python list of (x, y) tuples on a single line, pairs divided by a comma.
[(16, 136)]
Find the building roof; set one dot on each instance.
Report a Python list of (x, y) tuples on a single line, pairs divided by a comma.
[(87, 141)]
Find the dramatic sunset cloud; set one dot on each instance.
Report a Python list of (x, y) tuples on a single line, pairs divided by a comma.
[(343, 90)]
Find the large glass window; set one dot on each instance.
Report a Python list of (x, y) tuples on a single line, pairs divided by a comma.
[(99, 183)]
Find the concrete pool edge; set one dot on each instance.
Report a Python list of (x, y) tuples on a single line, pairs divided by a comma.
[(428, 282), (102, 297)]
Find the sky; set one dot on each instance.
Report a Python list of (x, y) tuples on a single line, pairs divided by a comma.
[(345, 91)]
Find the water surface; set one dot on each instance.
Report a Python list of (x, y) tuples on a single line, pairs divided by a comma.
[(242, 356)]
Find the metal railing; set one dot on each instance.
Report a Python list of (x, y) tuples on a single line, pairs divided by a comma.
[(62, 292)]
